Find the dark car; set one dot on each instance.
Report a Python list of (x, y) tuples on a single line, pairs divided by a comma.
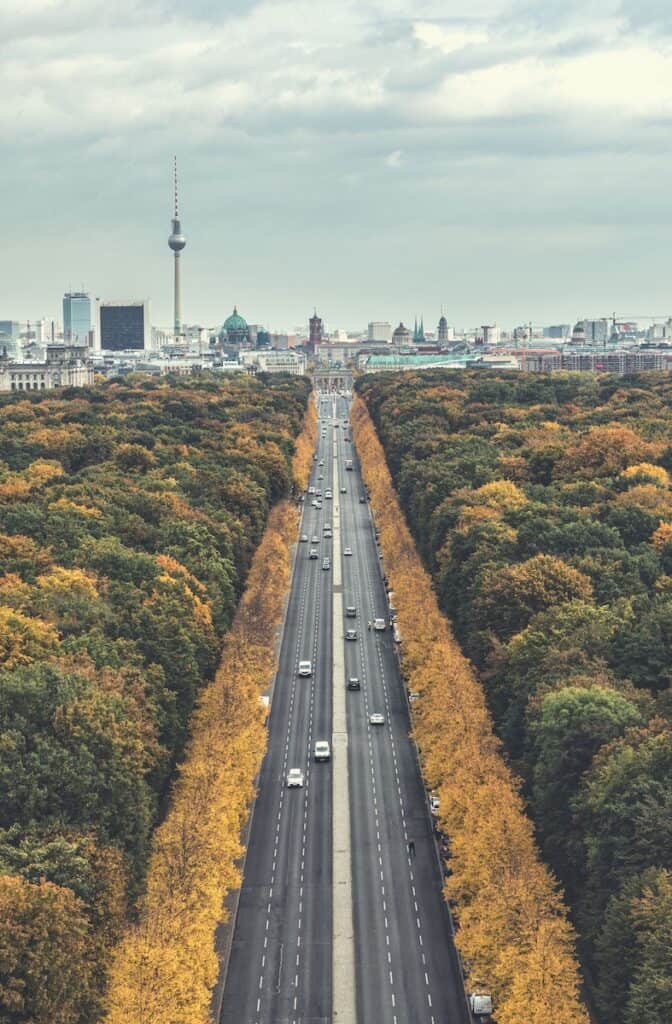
[(354, 683), (351, 634), (351, 612)]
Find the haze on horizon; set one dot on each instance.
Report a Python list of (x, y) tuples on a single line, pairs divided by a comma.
[(375, 158)]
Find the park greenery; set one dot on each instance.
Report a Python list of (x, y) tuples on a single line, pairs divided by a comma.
[(542, 507), (129, 517)]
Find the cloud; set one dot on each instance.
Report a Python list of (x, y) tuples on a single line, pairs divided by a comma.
[(288, 112)]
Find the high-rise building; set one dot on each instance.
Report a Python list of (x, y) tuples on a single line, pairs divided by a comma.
[(10, 329), (597, 331), (123, 325), (76, 317), (177, 242), (380, 330)]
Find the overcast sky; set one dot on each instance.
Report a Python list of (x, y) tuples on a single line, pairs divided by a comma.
[(509, 160)]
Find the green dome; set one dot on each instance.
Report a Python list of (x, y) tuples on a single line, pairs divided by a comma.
[(235, 322)]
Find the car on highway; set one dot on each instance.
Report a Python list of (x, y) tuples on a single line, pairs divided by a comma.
[(304, 538), (311, 489), (326, 563), (351, 611), (347, 551), (354, 683), (322, 750), (351, 634), (294, 778), (376, 718), (312, 553), (321, 476), (362, 499), (321, 462), (315, 503), (328, 494), (379, 625), (344, 490), (314, 539), (318, 493), (305, 668)]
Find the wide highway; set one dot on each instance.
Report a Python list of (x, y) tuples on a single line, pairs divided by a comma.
[(341, 917)]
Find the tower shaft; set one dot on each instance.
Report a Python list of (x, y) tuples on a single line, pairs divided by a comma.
[(178, 304)]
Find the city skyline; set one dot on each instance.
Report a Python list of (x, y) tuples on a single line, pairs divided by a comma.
[(505, 162)]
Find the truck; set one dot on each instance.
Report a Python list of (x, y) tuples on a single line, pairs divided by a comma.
[(480, 1005)]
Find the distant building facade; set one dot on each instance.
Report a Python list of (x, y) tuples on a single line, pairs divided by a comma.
[(123, 326), (380, 330), (315, 332), (401, 335), (77, 317), (286, 361), (66, 366), (444, 333)]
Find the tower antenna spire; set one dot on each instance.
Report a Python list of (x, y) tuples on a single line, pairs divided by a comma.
[(177, 209)]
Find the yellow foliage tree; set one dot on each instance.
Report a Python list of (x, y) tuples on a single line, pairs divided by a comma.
[(512, 921), (647, 471), (24, 639), (662, 538)]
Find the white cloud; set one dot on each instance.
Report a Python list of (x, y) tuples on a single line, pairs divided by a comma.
[(437, 37)]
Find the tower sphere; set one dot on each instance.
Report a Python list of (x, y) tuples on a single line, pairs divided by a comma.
[(177, 241)]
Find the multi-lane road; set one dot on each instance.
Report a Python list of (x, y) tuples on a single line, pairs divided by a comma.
[(340, 917)]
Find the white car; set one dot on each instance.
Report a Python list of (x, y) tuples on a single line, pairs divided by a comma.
[(376, 718), (379, 625), (294, 778), (344, 490), (322, 750), (327, 494), (305, 668), (347, 551), (304, 538)]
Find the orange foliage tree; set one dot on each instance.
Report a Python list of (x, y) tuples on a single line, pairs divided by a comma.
[(513, 933), (305, 447)]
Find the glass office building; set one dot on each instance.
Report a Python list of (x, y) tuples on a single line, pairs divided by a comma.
[(76, 317)]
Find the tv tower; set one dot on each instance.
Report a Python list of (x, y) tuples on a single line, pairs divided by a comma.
[(177, 242)]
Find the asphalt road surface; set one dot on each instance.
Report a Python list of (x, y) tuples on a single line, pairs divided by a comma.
[(280, 969)]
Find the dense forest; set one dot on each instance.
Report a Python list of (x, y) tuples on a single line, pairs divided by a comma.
[(542, 506), (129, 516)]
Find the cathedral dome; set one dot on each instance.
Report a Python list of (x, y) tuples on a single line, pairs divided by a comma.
[(235, 322)]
